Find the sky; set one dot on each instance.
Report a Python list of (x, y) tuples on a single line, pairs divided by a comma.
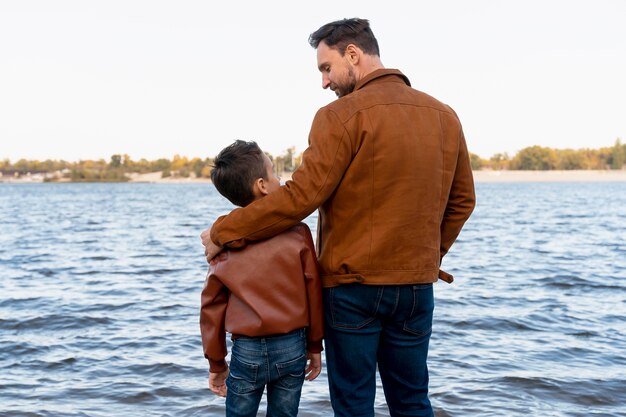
[(153, 79)]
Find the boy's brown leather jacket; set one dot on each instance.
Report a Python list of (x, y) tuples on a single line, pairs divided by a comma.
[(389, 169), (269, 288)]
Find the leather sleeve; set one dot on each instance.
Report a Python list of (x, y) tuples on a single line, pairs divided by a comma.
[(461, 200), (323, 165), (315, 332), (214, 300)]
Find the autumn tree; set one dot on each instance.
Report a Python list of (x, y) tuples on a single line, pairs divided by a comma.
[(617, 157), (534, 158), (500, 161), (476, 161), (570, 159)]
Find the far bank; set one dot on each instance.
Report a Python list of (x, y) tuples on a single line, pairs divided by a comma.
[(480, 176)]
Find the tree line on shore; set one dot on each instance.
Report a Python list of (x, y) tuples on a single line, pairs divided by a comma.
[(538, 158), (119, 167)]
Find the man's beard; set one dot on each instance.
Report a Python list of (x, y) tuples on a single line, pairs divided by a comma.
[(346, 87)]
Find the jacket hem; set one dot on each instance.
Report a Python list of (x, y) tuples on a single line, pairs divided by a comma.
[(386, 278)]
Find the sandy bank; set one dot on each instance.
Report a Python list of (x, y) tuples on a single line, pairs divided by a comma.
[(479, 176), (550, 176), (155, 177)]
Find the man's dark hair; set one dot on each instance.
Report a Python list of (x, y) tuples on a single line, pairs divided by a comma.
[(339, 34), (236, 168)]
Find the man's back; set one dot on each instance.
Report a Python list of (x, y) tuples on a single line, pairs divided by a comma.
[(400, 151)]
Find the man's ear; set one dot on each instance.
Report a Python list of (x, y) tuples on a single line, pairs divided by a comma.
[(353, 54)]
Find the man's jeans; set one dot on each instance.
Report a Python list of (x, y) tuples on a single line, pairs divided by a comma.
[(277, 362), (389, 325)]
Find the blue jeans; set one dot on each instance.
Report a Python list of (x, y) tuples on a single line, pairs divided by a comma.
[(388, 325), (277, 362)]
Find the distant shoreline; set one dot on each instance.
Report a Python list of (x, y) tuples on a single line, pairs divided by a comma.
[(550, 176), (480, 176)]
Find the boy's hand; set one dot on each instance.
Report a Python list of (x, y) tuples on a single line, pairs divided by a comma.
[(217, 382), (210, 249), (314, 366)]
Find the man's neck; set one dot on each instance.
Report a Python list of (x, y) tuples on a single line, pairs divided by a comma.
[(368, 64)]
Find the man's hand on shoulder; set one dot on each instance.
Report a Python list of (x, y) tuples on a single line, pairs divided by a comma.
[(210, 249)]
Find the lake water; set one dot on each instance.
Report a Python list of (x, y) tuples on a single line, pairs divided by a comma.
[(100, 286)]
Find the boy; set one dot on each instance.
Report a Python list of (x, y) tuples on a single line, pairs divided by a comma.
[(267, 295)]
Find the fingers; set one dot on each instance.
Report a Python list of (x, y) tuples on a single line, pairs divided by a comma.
[(218, 389), (211, 250), (312, 372), (221, 391), (206, 236), (217, 382), (314, 366), (211, 258)]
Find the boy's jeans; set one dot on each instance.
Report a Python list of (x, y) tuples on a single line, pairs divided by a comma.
[(384, 325), (277, 362)]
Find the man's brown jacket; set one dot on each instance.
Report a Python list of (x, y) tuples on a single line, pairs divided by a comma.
[(389, 170)]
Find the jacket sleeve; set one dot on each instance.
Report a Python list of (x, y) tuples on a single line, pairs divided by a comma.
[(323, 164), (461, 199), (214, 301), (315, 332)]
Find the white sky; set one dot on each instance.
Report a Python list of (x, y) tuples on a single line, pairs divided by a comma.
[(87, 79)]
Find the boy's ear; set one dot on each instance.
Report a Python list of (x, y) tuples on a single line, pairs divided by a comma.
[(260, 187)]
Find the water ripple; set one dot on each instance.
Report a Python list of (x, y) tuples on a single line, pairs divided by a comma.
[(100, 288)]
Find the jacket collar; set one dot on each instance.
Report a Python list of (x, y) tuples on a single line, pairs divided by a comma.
[(380, 73)]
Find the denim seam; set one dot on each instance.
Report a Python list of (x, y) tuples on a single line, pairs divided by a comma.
[(395, 304)]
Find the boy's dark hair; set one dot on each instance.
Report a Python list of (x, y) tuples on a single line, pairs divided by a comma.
[(339, 34), (235, 169)]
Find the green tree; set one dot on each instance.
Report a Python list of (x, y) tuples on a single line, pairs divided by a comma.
[(289, 157), (475, 161), (617, 157), (534, 158), (570, 159), (196, 165), (500, 161), (116, 161), (161, 164)]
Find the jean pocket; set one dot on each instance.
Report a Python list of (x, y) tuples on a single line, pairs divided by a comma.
[(291, 373), (352, 306), (420, 322), (242, 377)]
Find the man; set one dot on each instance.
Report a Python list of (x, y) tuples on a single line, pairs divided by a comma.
[(389, 170)]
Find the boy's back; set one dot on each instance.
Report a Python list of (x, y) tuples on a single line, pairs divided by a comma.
[(268, 288)]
